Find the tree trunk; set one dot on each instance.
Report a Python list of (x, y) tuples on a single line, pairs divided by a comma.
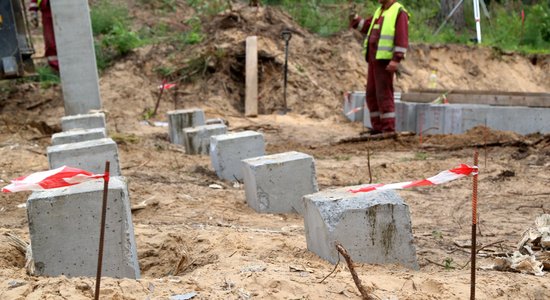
[(457, 20)]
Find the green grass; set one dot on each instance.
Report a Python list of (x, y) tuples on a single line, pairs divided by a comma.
[(47, 77), (113, 37)]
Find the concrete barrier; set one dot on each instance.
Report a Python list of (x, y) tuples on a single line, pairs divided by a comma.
[(355, 100), (64, 231), (76, 136), (197, 139), (178, 120), (228, 150), (84, 121), (88, 155), (276, 183), (405, 116), (374, 227)]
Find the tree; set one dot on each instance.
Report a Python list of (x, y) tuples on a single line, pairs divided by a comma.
[(457, 20)]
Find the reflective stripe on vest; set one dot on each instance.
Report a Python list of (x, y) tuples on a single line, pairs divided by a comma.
[(387, 34)]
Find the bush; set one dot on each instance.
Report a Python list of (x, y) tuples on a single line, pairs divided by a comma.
[(113, 37), (106, 15)]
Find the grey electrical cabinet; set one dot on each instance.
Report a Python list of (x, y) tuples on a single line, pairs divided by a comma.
[(15, 44)]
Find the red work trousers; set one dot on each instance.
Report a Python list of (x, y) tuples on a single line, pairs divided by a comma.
[(49, 37), (380, 96)]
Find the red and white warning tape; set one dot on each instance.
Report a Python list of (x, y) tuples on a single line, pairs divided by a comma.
[(443, 177)]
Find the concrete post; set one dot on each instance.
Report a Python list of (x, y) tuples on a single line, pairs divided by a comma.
[(76, 55)]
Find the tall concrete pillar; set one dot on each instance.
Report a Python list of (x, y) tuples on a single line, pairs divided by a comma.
[(76, 55)]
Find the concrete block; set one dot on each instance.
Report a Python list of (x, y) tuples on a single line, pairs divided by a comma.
[(88, 155), (438, 119), (355, 100), (76, 54), (374, 227), (76, 136), (215, 121), (197, 139), (228, 150), (523, 120), (85, 121), (405, 116), (276, 183), (64, 229), (181, 119)]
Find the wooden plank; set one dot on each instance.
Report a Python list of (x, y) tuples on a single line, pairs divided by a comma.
[(251, 96), (472, 97)]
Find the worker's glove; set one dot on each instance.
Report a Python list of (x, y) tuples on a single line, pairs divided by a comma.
[(34, 18)]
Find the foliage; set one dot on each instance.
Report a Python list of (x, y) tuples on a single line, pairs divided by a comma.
[(106, 15), (208, 7), (121, 39), (113, 37), (47, 77)]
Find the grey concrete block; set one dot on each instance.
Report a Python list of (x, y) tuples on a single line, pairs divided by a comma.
[(88, 155), (228, 150), (355, 100), (76, 136), (523, 120), (64, 230), (374, 227), (276, 183), (405, 116), (439, 119), (84, 121), (197, 139), (76, 54), (178, 120)]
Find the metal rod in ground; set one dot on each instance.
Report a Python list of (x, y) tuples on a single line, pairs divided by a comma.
[(286, 35), (368, 162), (364, 294), (102, 230), (158, 99), (474, 224)]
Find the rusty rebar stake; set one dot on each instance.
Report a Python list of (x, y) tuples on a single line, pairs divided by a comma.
[(102, 230), (356, 280), (474, 224)]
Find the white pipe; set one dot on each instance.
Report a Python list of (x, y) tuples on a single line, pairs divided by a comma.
[(477, 16)]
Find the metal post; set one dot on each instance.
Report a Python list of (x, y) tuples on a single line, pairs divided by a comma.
[(286, 35), (474, 225), (102, 230)]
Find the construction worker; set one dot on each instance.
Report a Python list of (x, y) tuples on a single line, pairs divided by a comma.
[(384, 47), (47, 28)]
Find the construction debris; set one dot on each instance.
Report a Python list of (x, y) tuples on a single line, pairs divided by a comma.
[(533, 251)]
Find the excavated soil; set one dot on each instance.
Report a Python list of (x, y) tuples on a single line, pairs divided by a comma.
[(192, 238)]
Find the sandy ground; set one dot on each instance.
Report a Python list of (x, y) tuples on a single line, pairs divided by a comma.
[(231, 252), (226, 250)]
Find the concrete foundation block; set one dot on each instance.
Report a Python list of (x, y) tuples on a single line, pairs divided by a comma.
[(276, 183), (178, 120), (76, 54), (355, 100), (76, 136), (405, 116), (523, 120), (64, 227), (197, 139), (89, 155), (85, 121), (374, 227), (439, 119), (228, 150)]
